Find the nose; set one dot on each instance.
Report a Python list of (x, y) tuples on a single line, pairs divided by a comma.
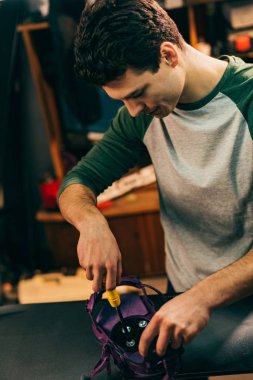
[(134, 107)]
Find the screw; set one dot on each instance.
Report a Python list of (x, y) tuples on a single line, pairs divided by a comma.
[(130, 343), (128, 329), (142, 324)]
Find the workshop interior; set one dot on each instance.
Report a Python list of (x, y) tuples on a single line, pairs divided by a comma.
[(49, 119)]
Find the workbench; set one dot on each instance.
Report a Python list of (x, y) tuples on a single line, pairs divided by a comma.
[(55, 342)]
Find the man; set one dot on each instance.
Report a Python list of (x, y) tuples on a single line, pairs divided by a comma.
[(194, 115)]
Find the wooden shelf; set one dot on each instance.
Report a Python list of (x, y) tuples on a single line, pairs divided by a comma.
[(141, 201), (134, 219), (245, 55), (199, 2), (171, 4)]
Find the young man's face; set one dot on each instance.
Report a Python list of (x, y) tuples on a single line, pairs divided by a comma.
[(153, 94)]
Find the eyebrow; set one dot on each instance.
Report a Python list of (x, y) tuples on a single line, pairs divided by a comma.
[(136, 92)]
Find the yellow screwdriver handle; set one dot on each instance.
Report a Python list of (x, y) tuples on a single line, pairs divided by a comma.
[(113, 297)]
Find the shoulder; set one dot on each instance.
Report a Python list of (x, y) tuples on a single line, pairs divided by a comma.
[(238, 73), (238, 86), (238, 83)]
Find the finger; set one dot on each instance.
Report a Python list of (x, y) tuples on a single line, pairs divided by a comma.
[(97, 279), (89, 273), (147, 337), (119, 271), (111, 274), (177, 340), (164, 339)]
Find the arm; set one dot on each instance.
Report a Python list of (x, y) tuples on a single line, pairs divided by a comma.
[(110, 158), (181, 319), (97, 248)]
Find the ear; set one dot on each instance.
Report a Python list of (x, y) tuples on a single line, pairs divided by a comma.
[(169, 53)]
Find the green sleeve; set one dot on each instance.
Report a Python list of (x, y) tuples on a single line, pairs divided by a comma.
[(113, 156), (240, 90)]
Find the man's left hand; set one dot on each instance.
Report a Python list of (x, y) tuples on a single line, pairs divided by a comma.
[(177, 322)]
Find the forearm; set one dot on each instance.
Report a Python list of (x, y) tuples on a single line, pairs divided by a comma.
[(97, 249), (227, 285), (77, 204)]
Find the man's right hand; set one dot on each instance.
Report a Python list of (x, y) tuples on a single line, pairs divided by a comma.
[(99, 254), (97, 249)]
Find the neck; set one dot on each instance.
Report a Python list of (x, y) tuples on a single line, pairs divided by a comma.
[(202, 74)]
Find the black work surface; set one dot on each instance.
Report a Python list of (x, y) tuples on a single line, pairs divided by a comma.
[(55, 342)]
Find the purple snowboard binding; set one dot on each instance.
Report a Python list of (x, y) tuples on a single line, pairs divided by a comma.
[(137, 310)]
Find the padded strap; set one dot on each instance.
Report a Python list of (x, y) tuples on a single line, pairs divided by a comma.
[(127, 280), (172, 363), (103, 363), (95, 297), (165, 298), (131, 281), (92, 300)]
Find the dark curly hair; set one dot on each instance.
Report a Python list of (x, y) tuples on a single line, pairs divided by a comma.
[(114, 35)]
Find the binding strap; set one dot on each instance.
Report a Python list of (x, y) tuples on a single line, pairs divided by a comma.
[(172, 363), (103, 363)]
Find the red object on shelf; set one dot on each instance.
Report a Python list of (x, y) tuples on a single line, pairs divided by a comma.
[(48, 192), (242, 43), (105, 204)]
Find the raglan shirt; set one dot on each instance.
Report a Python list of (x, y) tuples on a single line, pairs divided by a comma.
[(203, 158)]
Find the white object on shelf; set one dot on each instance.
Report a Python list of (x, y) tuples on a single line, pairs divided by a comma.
[(239, 14), (54, 287), (143, 177)]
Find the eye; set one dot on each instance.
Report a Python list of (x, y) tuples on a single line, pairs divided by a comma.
[(138, 95)]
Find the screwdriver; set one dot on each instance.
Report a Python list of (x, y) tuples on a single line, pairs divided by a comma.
[(115, 301)]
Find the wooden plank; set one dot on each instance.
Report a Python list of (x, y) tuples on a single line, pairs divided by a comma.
[(134, 203), (193, 35), (198, 2), (47, 103), (31, 26), (141, 242)]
